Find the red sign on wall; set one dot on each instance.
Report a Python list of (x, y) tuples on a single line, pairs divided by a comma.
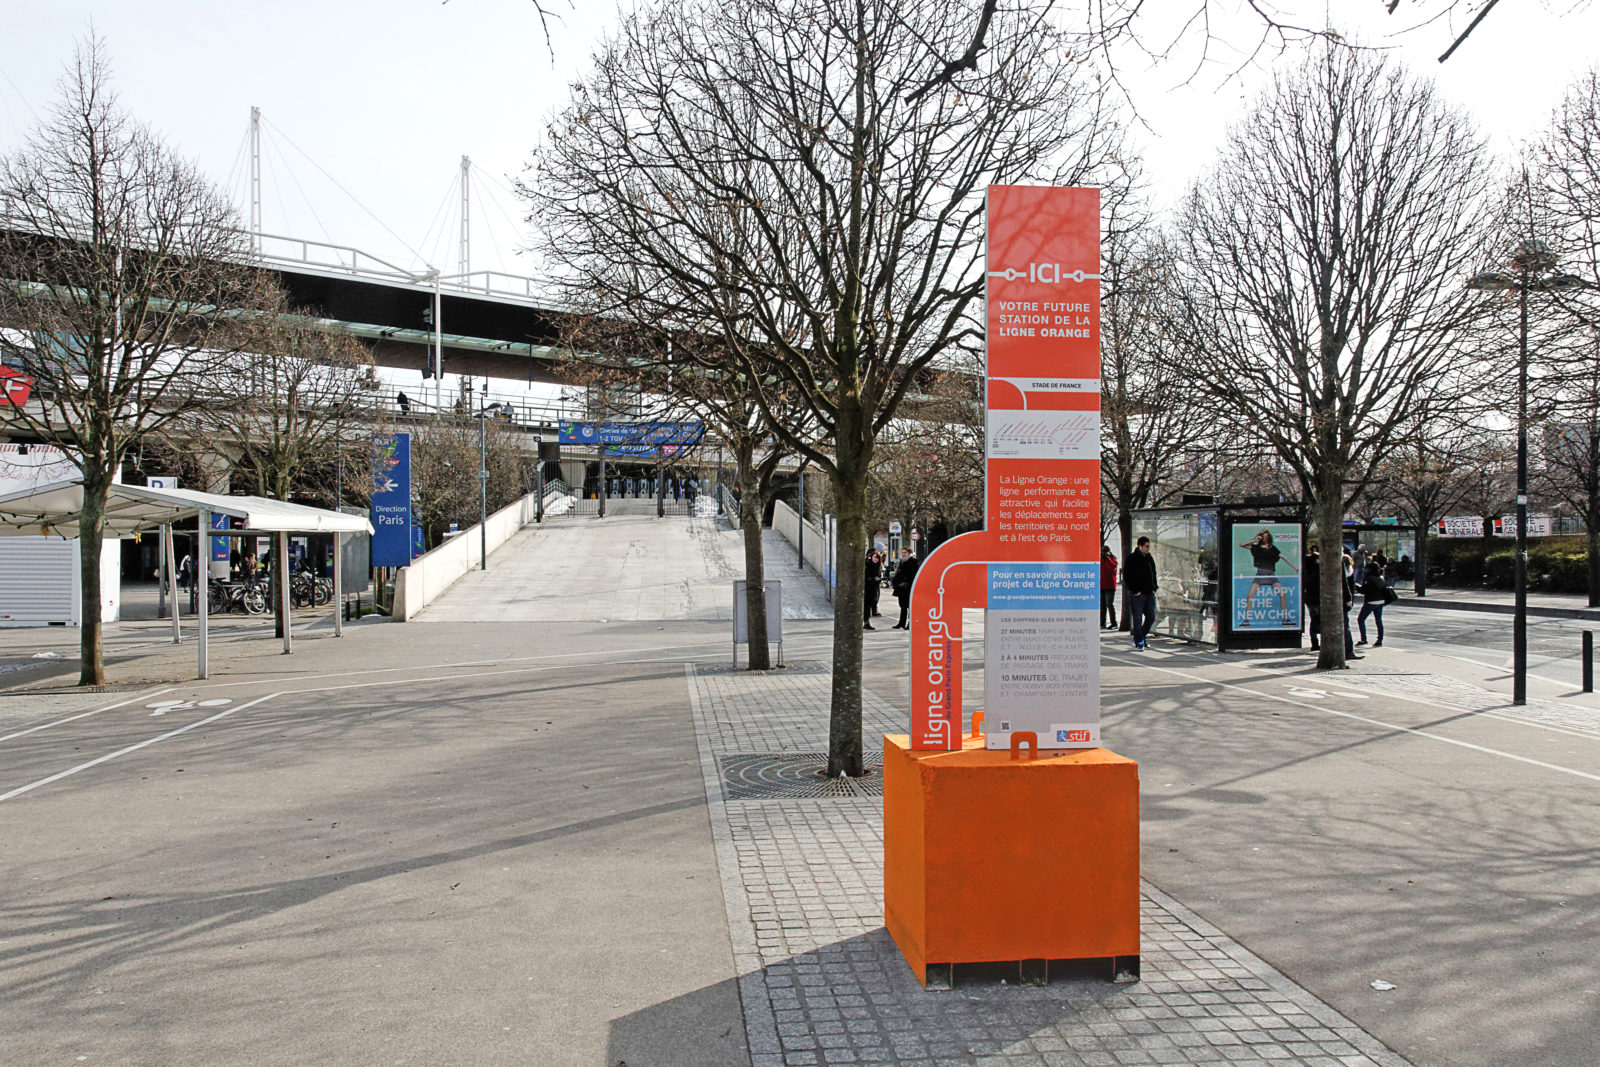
[(15, 387), (1035, 565)]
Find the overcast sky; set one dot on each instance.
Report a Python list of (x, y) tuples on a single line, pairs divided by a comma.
[(385, 96)]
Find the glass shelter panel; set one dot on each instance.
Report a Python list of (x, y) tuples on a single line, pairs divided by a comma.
[(1398, 545), (1183, 544)]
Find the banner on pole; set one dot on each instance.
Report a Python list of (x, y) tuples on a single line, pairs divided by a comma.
[(391, 500)]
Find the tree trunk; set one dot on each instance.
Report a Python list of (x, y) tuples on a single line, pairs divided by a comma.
[(1592, 526), (1419, 586), (1125, 526), (1330, 535), (844, 724), (91, 544), (754, 565)]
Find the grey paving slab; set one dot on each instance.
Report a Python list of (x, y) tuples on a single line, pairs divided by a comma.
[(822, 982), (627, 567)]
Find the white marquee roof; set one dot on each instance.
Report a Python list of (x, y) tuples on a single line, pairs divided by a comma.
[(56, 507)]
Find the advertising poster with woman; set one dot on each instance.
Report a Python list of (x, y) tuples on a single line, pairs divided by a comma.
[(1266, 576)]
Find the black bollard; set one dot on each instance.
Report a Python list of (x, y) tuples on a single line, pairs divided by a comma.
[(1588, 661)]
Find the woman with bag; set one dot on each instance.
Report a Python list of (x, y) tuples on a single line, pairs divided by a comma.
[(1376, 593)]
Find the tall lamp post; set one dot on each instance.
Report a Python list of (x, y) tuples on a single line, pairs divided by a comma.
[(483, 480), (1532, 270)]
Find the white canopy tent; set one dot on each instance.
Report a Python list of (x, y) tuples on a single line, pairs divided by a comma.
[(54, 510)]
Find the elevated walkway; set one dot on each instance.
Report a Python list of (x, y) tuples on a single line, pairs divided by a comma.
[(625, 567)]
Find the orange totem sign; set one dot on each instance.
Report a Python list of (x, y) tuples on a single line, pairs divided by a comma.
[(1035, 566)]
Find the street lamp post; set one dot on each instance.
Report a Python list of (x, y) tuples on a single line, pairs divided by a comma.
[(1533, 270), (483, 480)]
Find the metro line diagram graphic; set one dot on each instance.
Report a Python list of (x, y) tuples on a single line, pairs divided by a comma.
[(1044, 434)]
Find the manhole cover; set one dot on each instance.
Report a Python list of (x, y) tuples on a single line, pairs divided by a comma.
[(797, 667), (793, 776)]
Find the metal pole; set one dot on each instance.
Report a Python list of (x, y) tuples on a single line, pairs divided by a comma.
[(338, 584), (168, 550), (483, 484), (438, 350), (161, 574), (202, 573), (466, 215), (800, 499), (661, 481), (538, 481), (255, 181), (1519, 629), (280, 564), (1588, 661)]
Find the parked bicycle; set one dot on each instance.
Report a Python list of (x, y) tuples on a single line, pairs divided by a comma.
[(249, 597), (307, 588)]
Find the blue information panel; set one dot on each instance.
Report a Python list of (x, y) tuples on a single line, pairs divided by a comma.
[(219, 545), (391, 501)]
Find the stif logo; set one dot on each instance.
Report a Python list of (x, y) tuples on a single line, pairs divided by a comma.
[(1072, 735)]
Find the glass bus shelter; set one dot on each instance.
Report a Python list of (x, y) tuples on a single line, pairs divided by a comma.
[(1227, 575)]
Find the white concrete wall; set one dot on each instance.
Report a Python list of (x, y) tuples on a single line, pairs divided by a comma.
[(430, 574), (787, 522)]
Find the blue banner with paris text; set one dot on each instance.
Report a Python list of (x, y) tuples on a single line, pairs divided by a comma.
[(391, 500)]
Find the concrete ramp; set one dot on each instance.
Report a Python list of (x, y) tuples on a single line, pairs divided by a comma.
[(622, 567)]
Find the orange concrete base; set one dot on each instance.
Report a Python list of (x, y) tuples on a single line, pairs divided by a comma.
[(993, 859)]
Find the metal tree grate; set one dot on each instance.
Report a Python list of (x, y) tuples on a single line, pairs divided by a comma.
[(796, 667), (792, 776), (70, 690)]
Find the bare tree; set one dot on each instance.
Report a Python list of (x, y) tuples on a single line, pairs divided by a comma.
[(1566, 198), (691, 376), (929, 463), (1428, 474), (1206, 31), (444, 471), (1321, 264), (758, 172), (117, 255), (300, 411), (1147, 415)]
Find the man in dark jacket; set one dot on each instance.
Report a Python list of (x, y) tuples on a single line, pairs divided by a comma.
[(1139, 575), (904, 575)]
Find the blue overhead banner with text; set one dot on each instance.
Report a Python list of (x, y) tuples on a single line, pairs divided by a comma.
[(631, 433), (391, 500)]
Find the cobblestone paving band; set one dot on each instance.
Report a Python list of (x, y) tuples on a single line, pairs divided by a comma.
[(822, 983)]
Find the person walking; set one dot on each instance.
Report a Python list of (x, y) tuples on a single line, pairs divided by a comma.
[(1108, 588), (1311, 569), (869, 594), (1349, 566), (1139, 576), (904, 575), (1375, 594)]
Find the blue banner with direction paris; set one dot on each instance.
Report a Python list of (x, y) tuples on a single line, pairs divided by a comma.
[(391, 500)]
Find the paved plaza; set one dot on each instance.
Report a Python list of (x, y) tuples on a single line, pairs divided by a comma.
[(824, 984), (582, 842), (627, 566)]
